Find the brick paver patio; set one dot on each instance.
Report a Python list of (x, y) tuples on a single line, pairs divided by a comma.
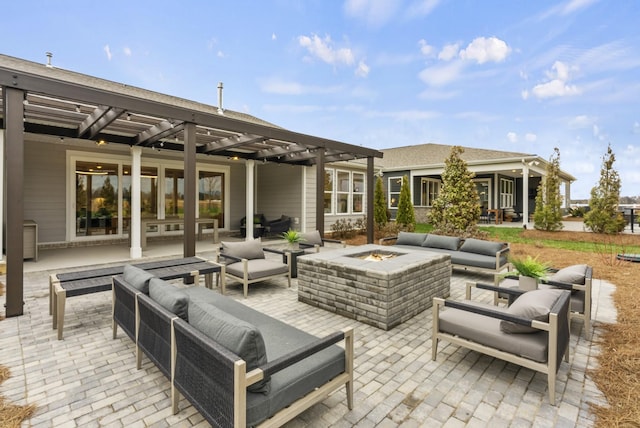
[(88, 379)]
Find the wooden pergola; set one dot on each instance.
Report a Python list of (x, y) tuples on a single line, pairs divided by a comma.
[(40, 99)]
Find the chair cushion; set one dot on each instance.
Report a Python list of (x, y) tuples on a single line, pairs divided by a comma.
[(169, 297), (480, 246), (439, 241), (533, 305), (137, 278), (238, 336), (574, 274), (311, 238), (251, 249), (411, 238), (258, 268)]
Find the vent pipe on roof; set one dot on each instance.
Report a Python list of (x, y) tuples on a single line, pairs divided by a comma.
[(220, 109), (49, 56)]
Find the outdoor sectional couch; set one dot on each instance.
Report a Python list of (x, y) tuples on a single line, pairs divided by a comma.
[(237, 366), (469, 253)]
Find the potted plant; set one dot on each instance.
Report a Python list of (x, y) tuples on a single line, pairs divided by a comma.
[(293, 238), (529, 270)]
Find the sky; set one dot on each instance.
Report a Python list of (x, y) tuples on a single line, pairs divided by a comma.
[(522, 76)]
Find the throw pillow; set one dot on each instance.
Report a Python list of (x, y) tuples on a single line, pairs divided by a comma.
[(443, 242), (238, 336), (137, 278), (250, 250), (411, 238), (533, 305), (479, 246), (169, 297), (574, 274)]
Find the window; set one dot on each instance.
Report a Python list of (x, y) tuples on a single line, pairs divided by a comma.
[(96, 198), (346, 189), (394, 186), (483, 186), (506, 193), (429, 190), (211, 196)]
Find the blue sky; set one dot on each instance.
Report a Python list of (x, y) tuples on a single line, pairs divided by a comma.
[(522, 76)]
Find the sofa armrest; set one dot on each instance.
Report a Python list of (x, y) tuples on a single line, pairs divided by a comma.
[(496, 314)]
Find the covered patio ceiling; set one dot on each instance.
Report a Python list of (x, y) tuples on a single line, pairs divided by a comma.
[(66, 104)]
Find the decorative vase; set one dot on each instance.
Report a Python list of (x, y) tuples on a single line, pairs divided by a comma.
[(527, 283)]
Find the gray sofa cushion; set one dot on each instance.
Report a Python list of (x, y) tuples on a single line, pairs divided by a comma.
[(251, 249), (472, 259), (411, 238), (486, 331), (480, 246), (258, 268), (137, 278), (534, 305), (311, 238), (574, 274), (439, 241), (279, 338), (238, 336), (169, 297)]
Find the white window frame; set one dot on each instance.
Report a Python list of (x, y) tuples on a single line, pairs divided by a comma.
[(336, 192), (427, 198), (393, 195), (507, 187), (358, 192), (332, 173)]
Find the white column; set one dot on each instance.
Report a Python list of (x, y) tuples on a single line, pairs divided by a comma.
[(250, 192), (136, 249), (525, 196), (567, 194)]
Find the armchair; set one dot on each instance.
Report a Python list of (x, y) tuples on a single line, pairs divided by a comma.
[(278, 226), (533, 332), (312, 241), (259, 223), (246, 262)]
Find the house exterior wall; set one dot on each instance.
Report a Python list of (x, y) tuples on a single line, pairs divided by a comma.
[(279, 189)]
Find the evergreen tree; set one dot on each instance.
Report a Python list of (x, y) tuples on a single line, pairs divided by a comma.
[(548, 213), (456, 209), (379, 205), (604, 216), (405, 217)]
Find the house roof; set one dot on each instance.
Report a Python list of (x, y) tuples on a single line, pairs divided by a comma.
[(67, 104), (425, 155)]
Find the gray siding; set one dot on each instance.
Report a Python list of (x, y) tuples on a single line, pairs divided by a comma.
[(45, 189), (237, 199), (310, 200), (279, 191)]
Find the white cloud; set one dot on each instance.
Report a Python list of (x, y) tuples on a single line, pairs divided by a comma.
[(484, 50), (512, 137), (579, 122), (524, 94), (420, 8), (277, 86), (558, 85), (531, 137), (575, 5), (220, 54), (425, 48), (324, 50), (362, 70), (441, 74), (127, 51), (636, 127), (449, 52), (107, 50), (374, 12), (273, 36)]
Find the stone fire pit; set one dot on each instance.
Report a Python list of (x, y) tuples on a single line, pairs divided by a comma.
[(385, 290)]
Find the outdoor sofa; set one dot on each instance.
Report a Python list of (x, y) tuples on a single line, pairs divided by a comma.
[(237, 366), (469, 253), (532, 332)]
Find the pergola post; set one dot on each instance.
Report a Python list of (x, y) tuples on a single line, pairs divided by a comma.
[(370, 207), (14, 156), (525, 195), (190, 190), (250, 194), (320, 191), (135, 223)]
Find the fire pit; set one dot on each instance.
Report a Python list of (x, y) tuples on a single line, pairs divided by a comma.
[(372, 284)]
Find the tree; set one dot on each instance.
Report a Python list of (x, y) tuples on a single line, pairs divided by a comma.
[(379, 205), (604, 216), (456, 209), (405, 217), (548, 213)]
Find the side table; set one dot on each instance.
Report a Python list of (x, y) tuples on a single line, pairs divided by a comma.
[(294, 260)]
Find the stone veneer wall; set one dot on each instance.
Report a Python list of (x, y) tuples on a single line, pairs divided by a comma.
[(383, 299)]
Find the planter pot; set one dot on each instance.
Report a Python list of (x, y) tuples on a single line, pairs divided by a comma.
[(527, 283), (293, 246)]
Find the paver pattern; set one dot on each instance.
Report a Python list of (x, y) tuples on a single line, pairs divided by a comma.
[(90, 380)]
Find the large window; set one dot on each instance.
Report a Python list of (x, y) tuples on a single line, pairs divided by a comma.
[(483, 186), (506, 193), (343, 192), (429, 190), (96, 198), (394, 186), (211, 196)]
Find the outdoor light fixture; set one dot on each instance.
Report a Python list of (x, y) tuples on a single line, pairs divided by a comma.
[(78, 108), (101, 143), (128, 116)]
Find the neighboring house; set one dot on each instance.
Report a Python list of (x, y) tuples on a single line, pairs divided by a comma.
[(96, 162), (506, 181)]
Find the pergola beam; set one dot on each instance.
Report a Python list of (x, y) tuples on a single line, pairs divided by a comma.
[(164, 129), (99, 119), (230, 142)]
